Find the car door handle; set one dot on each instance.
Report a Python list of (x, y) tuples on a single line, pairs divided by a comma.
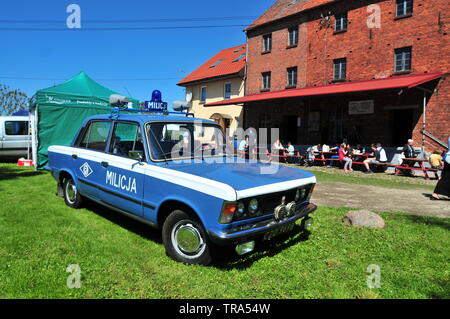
[(105, 164), (74, 156)]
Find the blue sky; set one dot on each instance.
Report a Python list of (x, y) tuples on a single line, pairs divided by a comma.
[(148, 54)]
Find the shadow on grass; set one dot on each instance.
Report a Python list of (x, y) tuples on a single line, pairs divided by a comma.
[(432, 221), (229, 260), (8, 173), (128, 223), (445, 287)]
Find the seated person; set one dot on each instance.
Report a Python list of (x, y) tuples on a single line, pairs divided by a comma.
[(408, 152), (334, 149), (358, 149), (290, 153), (344, 156), (278, 148), (378, 156), (436, 160), (244, 147), (310, 155)]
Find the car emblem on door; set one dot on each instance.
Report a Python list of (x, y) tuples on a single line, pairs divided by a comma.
[(86, 170)]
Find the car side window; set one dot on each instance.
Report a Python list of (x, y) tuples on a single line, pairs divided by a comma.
[(16, 128), (96, 136), (127, 141)]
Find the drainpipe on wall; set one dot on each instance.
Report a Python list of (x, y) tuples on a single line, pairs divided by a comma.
[(424, 115), (424, 120)]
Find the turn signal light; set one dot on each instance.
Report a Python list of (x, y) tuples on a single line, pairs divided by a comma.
[(227, 213)]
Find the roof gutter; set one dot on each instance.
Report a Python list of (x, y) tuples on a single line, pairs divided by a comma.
[(211, 79), (250, 28)]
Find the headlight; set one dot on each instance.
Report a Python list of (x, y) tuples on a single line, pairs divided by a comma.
[(240, 209), (303, 194), (253, 206), (297, 195)]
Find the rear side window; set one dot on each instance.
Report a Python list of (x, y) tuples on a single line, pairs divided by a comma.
[(96, 136), (127, 141), (16, 128)]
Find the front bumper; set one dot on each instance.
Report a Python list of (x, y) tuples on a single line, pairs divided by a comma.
[(253, 231)]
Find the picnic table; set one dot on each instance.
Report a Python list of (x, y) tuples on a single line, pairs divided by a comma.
[(409, 164), (325, 156)]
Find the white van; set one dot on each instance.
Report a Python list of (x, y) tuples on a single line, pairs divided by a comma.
[(14, 138)]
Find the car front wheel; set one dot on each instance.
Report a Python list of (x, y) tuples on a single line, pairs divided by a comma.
[(185, 239), (72, 196)]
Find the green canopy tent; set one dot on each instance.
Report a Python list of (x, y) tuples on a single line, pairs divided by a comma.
[(58, 112)]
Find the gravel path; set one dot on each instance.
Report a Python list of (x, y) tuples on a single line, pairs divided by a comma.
[(413, 201)]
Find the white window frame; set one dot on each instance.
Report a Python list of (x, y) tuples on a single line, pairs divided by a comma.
[(267, 45), (201, 94), (225, 90), (340, 78), (269, 77), (295, 69), (339, 22), (295, 36)]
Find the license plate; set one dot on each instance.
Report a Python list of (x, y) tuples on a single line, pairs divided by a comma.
[(279, 231)]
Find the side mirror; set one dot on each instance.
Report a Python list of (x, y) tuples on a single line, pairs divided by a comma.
[(136, 155)]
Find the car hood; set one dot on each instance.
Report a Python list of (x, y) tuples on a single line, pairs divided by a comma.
[(243, 176)]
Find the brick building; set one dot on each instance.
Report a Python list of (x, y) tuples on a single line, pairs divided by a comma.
[(365, 71)]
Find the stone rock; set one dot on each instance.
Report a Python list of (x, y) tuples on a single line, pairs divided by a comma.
[(364, 218)]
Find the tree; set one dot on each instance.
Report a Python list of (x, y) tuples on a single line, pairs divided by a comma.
[(12, 101)]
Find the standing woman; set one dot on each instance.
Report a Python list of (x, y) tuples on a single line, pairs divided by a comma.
[(443, 186)]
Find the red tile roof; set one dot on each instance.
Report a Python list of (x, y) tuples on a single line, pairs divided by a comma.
[(283, 8), (224, 68), (398, 82)]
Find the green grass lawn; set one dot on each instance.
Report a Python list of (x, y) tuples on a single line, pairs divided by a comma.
[(120, 258)]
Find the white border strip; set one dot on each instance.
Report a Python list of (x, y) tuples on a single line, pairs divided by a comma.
[(201, 184), (274, 188)]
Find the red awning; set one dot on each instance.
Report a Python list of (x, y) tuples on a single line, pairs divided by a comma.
[(398, 82)]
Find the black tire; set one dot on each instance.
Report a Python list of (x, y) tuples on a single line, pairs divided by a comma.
[(195, 247), (72, 196)]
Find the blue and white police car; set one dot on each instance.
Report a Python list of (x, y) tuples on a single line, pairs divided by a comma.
[(172, 172)]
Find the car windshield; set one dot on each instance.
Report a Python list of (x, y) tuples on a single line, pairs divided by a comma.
[(185, 140)]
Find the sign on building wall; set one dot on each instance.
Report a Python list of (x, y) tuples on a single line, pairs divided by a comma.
[(361, 107)]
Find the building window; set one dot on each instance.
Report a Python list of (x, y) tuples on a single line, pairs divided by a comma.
[(340, 69), (403, 59), (239, 57), (292, 77), (266, 81), (340, 22), (216, 63), (293, 36), (404, 7), (267, 42), (227, 91), (203, 94)]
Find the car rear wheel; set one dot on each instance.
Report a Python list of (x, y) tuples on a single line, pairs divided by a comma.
[(72, 196), (185, 239)]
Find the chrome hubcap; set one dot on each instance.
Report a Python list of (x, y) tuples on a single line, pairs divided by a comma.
[(71, 191), (187, 240)]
